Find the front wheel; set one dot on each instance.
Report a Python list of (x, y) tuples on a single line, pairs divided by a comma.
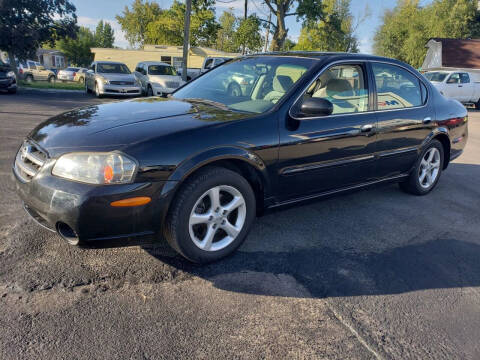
[(97, 91), (211, 215), (51, 79), (427, 170)]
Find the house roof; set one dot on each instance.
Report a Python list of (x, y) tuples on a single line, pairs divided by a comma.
[(460, 53)]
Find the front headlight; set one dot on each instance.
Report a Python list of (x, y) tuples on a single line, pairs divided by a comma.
[(96, 168), (11, 74), (105, 81)]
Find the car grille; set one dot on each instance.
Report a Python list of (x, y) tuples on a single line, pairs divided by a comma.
[(29, 161), (172, 84), (121, 82)]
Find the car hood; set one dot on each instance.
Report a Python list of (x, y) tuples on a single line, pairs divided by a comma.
[(163, 78), (117, 125), (117, 77)]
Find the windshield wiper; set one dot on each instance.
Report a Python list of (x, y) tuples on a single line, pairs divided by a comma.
[(209, 102)]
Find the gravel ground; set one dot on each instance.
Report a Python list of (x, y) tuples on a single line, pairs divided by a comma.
[(373, 274)]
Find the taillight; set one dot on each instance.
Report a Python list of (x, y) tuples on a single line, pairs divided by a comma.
[(74, 74), (20, 71)]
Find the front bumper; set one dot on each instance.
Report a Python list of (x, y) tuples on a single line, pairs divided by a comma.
[(119, 90), (86, 209), (65, 77), (8, 84), (160, 90)]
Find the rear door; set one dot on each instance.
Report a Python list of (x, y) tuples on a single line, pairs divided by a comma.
[(405, 118), (323, 153)]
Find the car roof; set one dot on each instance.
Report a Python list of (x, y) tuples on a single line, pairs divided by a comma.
[(154, 63), (109, 62), (323, 55)]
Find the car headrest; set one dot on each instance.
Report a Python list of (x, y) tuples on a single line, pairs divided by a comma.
[(282, 83), (339, 86)]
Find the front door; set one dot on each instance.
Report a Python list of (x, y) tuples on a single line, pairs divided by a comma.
[(323, 153), (405, 118)]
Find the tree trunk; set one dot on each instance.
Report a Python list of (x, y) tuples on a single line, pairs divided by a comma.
[(280, 33)]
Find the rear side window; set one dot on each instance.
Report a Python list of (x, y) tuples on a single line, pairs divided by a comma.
[(464, 78), (397, 88)]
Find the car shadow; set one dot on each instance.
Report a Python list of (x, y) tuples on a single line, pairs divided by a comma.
[(326, 270)]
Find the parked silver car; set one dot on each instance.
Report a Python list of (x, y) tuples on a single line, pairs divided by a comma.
[(157, 78), (111, 78)]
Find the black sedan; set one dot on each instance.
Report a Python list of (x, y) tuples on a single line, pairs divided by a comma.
[(198, 167)]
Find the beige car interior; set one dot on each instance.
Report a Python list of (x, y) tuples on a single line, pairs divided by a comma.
[(344, 86), (285, 77)]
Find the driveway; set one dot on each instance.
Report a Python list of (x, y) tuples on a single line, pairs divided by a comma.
[(373, 274)]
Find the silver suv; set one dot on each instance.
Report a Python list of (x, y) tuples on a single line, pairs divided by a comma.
[(111, 78)]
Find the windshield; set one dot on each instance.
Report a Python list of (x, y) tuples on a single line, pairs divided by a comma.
[(252, 84), (112, 68), (161, 70), (436, 76)]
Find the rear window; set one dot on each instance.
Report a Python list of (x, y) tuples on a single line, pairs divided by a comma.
[(71, 69), (161, 70)]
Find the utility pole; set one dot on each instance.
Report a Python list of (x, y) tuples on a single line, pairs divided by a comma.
[(245, 18), (265, 48), (186, 40)]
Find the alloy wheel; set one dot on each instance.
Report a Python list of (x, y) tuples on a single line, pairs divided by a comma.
[(217, 218), (429, 168)]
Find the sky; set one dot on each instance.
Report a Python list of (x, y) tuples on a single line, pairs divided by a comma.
[(91, 11)]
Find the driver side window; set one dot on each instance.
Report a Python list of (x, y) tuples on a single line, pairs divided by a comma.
[(344, 86)]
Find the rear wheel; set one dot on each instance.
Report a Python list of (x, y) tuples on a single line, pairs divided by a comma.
[(29, 79), (51, 79), (211, 215), (427, 171)]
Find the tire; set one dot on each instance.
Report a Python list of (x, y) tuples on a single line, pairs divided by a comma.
[(29, 79), (97, 91), (87, 90), (81, 80), (149, 91), (190, 239), (420, 182), (477, 105), (234, 90), (51, 79)]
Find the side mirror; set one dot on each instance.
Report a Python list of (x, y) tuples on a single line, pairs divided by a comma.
[(316, 107)]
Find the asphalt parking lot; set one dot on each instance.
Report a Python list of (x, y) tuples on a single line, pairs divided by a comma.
[(377, 274)]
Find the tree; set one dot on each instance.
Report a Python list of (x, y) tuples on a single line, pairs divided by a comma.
[(104, 35), (247, 36), (167, 28), (134, 22), (226, 33), (335, 32), (26, 24), (407, 28), (77, 50), (306, 11)]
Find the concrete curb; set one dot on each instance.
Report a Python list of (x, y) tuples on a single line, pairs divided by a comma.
[(27, 89)]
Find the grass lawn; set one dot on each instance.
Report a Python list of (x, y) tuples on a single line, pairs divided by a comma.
[(54, 85)]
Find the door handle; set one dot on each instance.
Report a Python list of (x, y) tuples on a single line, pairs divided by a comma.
[(427, 120), (366, 128)]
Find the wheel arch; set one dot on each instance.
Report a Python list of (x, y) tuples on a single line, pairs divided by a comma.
[(241, 161), (441, 134)]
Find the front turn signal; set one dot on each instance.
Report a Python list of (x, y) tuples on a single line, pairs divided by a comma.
[(135, 201)]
